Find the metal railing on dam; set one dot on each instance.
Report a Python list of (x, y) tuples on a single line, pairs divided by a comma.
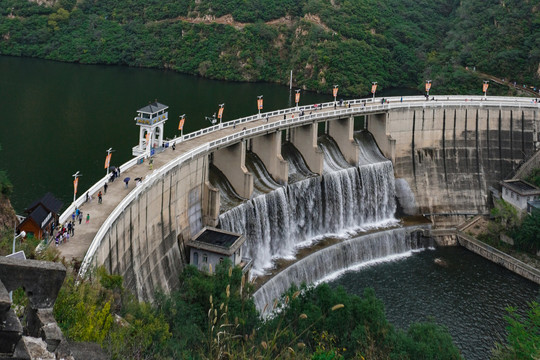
[(312, 113)]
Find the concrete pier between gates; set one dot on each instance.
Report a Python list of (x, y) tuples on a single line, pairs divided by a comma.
[(232, 162), (268, 148), (304, 138)]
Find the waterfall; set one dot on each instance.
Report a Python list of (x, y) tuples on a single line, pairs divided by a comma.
[(344, 199), (405, 197), (336, 259)]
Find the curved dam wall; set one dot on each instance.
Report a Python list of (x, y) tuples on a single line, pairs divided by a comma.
[(451, 154), (144, 243)]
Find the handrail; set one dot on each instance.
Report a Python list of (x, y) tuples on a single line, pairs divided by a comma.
[(148, 181), (502, 256), (393, 103), (93, 189), (314, 116)]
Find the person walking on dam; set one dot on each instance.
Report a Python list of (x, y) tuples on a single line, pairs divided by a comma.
[(87, 218)]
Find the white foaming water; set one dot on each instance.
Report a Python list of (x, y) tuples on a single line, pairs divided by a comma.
[(406, 197), (344, 200), (332, 261)]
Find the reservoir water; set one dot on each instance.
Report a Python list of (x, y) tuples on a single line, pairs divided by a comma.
[(58, 118)]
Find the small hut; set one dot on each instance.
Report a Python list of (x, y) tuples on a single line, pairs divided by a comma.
[(41, 215)]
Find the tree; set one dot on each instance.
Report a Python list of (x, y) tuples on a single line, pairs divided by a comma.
[(527, 236), (505, 214), (523, 339)]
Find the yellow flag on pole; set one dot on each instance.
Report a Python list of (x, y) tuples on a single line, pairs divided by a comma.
[(181, 123), (373, 88), (220, 112)]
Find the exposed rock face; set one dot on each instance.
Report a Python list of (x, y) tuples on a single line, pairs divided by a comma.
[(43, 338), (7, 213), (44, 2)]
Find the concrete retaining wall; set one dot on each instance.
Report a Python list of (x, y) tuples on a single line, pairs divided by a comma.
[(499, 257)]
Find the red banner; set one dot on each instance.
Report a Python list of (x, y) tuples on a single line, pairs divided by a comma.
[(373, 88), (108, 160), (75, 183), (485, 87), (334, 91), (220, 113), (297, 98), (428, 86), (181, 123), (259, 104)]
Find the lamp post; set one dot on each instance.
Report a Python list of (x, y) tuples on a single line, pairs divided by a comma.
[(297, 98), (334, 92), (428, 86), (220, 113), (181, 124), (485, 87), (108, 159), (75, 184), (259, 104), (373, 88), (22, 234)]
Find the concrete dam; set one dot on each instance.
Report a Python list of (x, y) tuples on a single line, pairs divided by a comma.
[(313, 175)]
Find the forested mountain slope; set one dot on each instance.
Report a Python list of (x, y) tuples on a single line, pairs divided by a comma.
[(325, 42)]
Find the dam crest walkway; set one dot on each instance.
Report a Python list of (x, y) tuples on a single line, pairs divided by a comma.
[(88, 235)]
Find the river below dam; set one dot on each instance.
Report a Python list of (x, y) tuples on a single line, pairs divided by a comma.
[(468, 294)]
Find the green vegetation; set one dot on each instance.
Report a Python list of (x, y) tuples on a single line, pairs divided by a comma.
[(345, 42), (523, 340), (6, 187), (525, 231), (213, 317), (527, 235), (534, 177)]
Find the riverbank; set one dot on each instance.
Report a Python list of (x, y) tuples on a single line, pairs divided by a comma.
[(520, 263)]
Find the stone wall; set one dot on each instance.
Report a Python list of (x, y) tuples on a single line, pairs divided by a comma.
[(450, 155), (499, 257)]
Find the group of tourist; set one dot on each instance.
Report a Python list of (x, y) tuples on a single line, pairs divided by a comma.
[(115, 173), (67, 230)]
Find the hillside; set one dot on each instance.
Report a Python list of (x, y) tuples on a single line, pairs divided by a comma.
[(345, 42)]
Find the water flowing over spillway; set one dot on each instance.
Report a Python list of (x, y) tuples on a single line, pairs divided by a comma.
[(331, 261), (344, 199)]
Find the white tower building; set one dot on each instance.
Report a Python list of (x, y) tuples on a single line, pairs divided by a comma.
[(151, 120)]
